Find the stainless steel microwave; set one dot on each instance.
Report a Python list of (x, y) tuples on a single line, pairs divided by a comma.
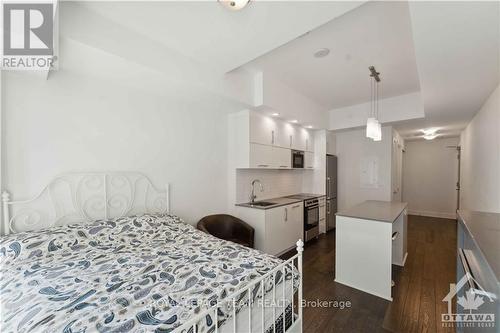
[(297, 159)]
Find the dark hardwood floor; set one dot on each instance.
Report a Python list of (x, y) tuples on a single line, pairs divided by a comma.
[(417, 297)]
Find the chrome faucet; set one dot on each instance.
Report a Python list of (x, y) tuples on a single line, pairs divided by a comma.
[(253, 196)]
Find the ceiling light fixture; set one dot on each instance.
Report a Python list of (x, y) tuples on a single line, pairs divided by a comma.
[(373, 126), (309, 126), (234, 4), (294, 121), (430, 136), (321, 53), (275, 114), (430, 131)]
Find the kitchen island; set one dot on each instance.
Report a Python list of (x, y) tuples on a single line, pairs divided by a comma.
[(370, 238)]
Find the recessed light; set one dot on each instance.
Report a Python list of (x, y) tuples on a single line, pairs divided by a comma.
[(275, 114), (294, 121), (234, 4), (321, 53)]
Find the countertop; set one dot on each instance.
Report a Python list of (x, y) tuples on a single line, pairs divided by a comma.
[(279, 201), (381, 211), (484, 229)]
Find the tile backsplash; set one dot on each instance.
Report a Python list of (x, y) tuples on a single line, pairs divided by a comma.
[(276, 183)]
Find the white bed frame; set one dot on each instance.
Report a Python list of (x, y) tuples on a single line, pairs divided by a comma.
[(85, 197)]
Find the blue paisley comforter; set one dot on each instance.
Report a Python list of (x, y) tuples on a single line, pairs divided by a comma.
[(146, 273)]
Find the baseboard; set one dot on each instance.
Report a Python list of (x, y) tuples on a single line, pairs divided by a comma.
[(452, 216)]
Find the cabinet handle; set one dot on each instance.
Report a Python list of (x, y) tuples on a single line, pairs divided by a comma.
[(296, 206), (286, 214), (328, 212), (290, 141), (262, 165), (272, 137), (307, 144), (283, 166)]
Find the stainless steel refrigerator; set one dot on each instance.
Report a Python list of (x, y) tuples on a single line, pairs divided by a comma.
[(331, 191)]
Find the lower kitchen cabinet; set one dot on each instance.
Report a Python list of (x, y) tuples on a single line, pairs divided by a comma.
[(276, 229)]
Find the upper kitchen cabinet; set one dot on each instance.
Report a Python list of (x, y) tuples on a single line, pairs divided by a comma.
[(263, 130), (259, 141), (293, 137)]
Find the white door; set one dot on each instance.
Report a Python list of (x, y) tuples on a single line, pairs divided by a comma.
[(261, 156), (285, 132), (275, 225), (262, 129), (282, 158), (308, 160), (300, 139), (296, 224)]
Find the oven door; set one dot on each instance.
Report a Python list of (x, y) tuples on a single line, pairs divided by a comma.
[(297, 159), (311, 218)]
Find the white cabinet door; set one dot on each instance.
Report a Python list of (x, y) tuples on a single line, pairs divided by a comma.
[(295, 224), (275, 224), (261, 156), (284, 226), (308, 160), (285, 132), (262, 129), (300, 138), (282, 157), (310, 141)]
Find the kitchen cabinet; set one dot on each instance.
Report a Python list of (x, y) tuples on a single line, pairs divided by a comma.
[(269, 157), (276, 229), (259, 141), (262, 129), (322, 214), (308, 160)]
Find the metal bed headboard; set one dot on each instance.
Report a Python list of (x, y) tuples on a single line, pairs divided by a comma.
[(85, 197)]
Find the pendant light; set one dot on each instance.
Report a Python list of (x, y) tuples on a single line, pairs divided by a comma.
[(373, 127)]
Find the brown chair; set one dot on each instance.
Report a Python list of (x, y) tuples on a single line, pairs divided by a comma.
[(227, 227)]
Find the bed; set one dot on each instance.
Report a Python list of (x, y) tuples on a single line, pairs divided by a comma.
[(102, 253)]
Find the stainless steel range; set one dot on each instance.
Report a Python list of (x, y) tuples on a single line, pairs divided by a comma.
[(311, 215)]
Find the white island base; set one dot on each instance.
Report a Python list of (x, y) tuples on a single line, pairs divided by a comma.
[(365, 249)]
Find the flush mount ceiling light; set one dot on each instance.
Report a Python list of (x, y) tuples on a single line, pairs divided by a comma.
[(234, 4), (430, 136), (373, 127), (294, 121), (309, 126), (321, 53), (275, 114), (430, 133)]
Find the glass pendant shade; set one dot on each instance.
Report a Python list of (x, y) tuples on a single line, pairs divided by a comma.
[(378, 133), (372, 128)]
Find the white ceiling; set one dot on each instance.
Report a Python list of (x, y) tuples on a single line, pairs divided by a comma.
[(376, 33), (457, 48), (447, 50), (215, 36)]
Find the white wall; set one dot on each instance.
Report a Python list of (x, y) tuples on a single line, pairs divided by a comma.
[(364, 167), (430, 173), (74, 123), (480, 171), (404, 107)]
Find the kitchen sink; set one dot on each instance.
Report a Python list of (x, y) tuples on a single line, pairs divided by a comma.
[(262, 203)]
